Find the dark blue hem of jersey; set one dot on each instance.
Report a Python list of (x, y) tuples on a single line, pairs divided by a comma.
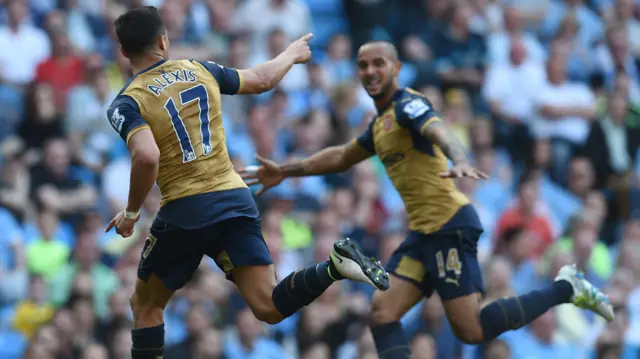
[(205, 209), (466, 217), (124, 88)]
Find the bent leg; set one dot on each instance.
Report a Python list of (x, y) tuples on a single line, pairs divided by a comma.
[(460, 286), (245, 258), (387, 309), (271, 302), (255, 284)]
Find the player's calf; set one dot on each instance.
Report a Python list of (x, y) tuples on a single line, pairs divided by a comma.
[(303, 286), (387, 308), (512, 313), (147, 304)]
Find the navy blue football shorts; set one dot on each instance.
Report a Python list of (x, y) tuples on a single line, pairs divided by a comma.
[(173, 254), (445, 261)]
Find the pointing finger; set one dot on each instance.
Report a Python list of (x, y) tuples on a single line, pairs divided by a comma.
[(482, 175), (306, 37), (110, 225), (445, 174), (261, 159)]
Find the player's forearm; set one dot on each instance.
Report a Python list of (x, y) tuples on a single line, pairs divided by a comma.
[(447, 141), (329, 160), (273, 71), (144, 171)]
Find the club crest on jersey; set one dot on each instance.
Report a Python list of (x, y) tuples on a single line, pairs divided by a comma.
[(415, 108), (387, 121)]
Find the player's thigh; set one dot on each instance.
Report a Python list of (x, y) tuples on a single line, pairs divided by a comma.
[(455, 274), (170, 257), (237, 242), (238, 248), (408, 282)]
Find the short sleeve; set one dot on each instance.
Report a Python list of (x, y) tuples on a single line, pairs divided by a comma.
[(229, 80), (365, 140), (125, 117), (415, 113)]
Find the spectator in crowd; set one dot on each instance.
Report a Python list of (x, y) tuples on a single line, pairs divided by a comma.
[(62, 71), (526, 213), (28, 45), (611, 145), (564, 111), (501, 43), (460, 55), (53, 186), (43, 120), (511, 105)]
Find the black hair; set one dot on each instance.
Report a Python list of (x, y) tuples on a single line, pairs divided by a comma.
[(138, 30)]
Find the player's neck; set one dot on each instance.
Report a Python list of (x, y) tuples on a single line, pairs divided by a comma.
[(145, 62), (382, 102)]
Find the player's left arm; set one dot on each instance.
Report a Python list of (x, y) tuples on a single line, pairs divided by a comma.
[(125, 117), (419, 115)]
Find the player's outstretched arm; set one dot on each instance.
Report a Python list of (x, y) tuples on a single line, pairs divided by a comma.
[(437, 133), (268, 75), (330, 160)]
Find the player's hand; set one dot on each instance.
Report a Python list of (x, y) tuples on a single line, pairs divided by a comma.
[(124, 226), (300, 49), (463, 170), (268, 174)]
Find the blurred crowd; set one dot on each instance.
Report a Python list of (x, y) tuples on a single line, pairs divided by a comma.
[(545, 94)]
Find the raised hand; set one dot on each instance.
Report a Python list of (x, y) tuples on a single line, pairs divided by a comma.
[(300, 49), (268, 174)]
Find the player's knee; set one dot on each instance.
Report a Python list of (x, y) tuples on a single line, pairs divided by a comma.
[(267, 313), (469, 333), (383, 313), (144, 310)]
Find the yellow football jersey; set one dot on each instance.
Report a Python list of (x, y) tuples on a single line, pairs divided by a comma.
[(179, 101), (413, 164)]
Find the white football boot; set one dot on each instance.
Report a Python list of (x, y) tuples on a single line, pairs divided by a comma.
[(586, 295), (355, 266)]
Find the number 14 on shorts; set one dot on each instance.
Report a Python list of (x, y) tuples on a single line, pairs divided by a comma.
[(452, 263)]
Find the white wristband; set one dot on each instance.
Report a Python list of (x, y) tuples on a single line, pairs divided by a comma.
[(131, 215)]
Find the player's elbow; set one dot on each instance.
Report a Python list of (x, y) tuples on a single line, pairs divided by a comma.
[(148, 157)]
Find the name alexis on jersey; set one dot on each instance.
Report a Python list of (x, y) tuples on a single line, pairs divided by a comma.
[(169, 78)]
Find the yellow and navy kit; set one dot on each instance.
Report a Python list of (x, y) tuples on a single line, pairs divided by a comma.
[(179, 101), (413, 164)]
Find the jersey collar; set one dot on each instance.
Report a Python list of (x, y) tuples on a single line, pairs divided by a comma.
[(393, 98), (151, 67)]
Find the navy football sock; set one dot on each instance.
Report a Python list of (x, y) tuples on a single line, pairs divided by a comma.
[(514, 312), (148, 343), (391, 342), (303, 286)]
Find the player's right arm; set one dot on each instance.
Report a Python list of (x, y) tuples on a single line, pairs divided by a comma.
[(268, 75), (125, 117), (330, 160)]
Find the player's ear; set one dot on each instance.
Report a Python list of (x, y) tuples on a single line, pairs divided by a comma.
[(396, 68), (163, 43), (123, 52)]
